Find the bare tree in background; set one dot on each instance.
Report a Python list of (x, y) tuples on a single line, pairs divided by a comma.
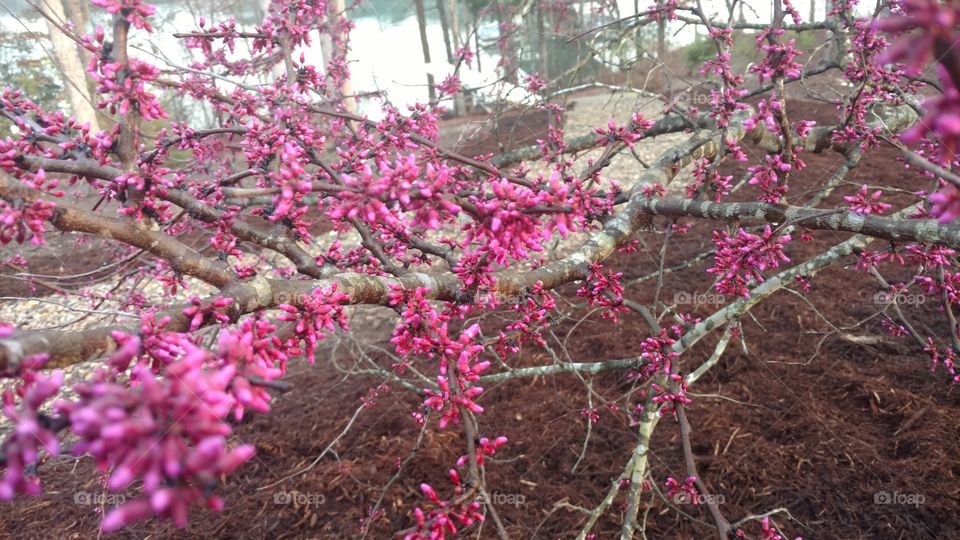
[(71, 68), (422, 24)]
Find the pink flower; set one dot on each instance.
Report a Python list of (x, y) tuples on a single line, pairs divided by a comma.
[(604, 290), (768, 177), (941, 119), (136, 11), (465, 54), (946, 204), (18, 223), (464, 355), (31, 433), (166, 433), (199, 312), (779, 60), (936, 22), (450, 85), (742, 258), (865, 203), (321, 310), (685, 492), (534, 84), (629, 134)]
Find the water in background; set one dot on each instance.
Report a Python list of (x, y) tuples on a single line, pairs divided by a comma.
[(385, 47)]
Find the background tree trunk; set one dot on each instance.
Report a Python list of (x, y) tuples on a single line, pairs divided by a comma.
[(451, 41), (422, 23), (442, 13), (542, 35), (661, 36), (338, 8), (78, 11), (71, 68), (507, 57)]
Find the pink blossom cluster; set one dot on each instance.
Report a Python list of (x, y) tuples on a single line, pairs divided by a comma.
[(865, 202), (459, 361), (227, 33), (123, 85), (485, 447), (779, 60), (162, 430), (941, 118), (450, 86), (23, 221), (503, 224), (134, 11), (258, 356), (465, 54), (946, 203), (319, 311), (161, 347), (420, 192), (937, 25), (767, 531), (768, 176), (294, 19), (535, 84), (32, 432), (948, 360), (604, 290), (413, 334), (449, 514), (743, 257), (200, 311), (627, 134), (669, 399), (166, 432), (657, 355), (726, 101), (686, 489), (664, 10), (534, 309), (658, 359), (590, 414), (935, 286), (708, 178), (928, 29)]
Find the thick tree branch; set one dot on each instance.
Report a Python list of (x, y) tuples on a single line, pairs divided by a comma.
[(70, 218)]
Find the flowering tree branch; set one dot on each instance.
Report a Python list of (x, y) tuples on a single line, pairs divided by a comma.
[(306, 207)]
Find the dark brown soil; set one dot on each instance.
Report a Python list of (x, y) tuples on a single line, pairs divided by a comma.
[(803, 419)]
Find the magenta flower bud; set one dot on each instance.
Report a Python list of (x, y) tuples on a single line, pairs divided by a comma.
[(429, 492), (126, 514), (160, 500)]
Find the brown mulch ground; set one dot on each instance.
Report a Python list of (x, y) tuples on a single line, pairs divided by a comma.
[(803, 420)]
